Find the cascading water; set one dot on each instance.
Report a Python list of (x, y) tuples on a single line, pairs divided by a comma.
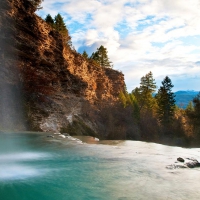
[(11, 103), (11, 108)]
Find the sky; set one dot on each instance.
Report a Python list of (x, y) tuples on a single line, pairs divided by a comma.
[(161, 36)]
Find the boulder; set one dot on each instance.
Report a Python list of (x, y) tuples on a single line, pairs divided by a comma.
[(180, 159), (51, 136), (186, 163), (192, 163)]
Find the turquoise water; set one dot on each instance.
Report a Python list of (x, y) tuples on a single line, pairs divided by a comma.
[(35, 167)]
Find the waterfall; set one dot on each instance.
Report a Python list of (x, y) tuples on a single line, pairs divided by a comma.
[(11, 103)]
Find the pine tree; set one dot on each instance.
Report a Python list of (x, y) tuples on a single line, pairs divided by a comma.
[(49, 20), (101, 57), (190, 107), (196, 116), (196, 102), (122, 98), (166, 102), (85, 55), (95, 56), (193, 114), (61, 27), (144, 94), (59, 23), (193, 111), (135, 106)]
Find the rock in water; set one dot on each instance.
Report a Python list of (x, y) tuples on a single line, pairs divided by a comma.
[(188, 163), (51, 136), (193, 163), (180, 159)]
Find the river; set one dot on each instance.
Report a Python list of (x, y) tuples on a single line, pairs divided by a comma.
[(36, 167)]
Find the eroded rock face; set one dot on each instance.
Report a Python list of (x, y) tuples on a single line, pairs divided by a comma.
[(56, 82)]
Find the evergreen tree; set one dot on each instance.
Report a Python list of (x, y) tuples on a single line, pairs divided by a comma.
[(129, 100), (196, 116), (134, 103), (101, 57), (122, 98), (49, 20), (61, 27), (190, 107), (144, 94), (193, 111), (196, 102), (166, 102), (95, 57), (59, 23), (85, 55)]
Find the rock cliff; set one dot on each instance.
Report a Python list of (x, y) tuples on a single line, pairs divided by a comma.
[(57, 84)]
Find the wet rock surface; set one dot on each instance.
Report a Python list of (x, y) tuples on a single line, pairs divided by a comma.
[(184, 163), (180, 159), (191, 163)]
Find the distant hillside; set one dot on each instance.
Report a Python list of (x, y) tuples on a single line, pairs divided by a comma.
[(184, 97)]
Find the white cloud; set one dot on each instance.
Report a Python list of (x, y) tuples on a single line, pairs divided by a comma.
[(140, 35)]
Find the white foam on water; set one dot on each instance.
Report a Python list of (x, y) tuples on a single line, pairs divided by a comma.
[(12, 166), (63, 136), (71, 138), (57, 133), (22, 156), (16, 171), (96, 139)]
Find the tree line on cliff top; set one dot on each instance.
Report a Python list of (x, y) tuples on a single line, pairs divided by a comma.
[(59, 25), (99, 57)]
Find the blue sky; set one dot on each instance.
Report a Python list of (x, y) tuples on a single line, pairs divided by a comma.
[(162, 36)]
